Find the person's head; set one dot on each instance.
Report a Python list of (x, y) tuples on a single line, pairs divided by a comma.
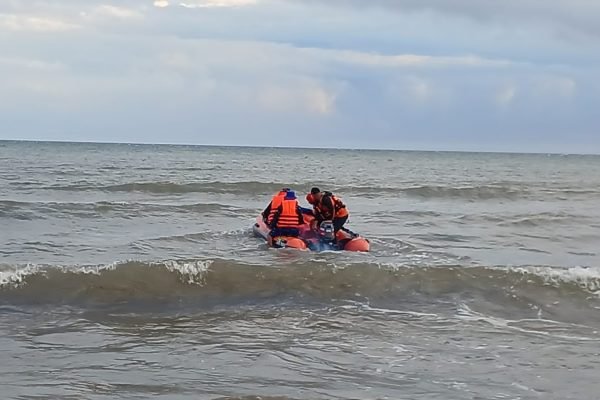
[(316, 194), (290, 195)]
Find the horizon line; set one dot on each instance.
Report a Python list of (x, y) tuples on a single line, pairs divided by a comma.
[(416, 150)]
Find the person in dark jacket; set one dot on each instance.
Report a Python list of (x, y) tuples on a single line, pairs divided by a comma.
[(328, 207)]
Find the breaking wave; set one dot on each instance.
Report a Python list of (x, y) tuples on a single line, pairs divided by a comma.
[(254, 187), (250, 187), (490, 191), (225, 281), (485, 192), (34, 210)]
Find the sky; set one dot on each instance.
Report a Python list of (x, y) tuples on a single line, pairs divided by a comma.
[(474, 75)]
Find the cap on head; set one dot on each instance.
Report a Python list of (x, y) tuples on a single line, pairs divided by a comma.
[(290, 195), (315, 190)]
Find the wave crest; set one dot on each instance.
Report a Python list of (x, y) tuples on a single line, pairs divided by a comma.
[(224, 280), (250, 187)]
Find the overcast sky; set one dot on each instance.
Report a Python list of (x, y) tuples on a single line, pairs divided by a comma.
[(504, 75)]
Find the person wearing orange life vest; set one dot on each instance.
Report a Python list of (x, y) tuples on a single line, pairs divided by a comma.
[(275, 202), (327, 207), (288, 217)]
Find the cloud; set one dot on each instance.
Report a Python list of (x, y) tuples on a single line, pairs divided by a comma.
[(506, 94), (414, 60), (556, 86), (296, 97), (16, 22), (386, 75), (218, 3), (320, 100), (578, 16), (107, 10), (31, 64), (421, 90)]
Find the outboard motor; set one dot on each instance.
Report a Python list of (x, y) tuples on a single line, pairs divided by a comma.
[(326, 232)]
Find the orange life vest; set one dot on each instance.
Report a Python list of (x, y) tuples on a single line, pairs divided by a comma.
[(324, 210), (340, 208), (288, 214), (275, 203)]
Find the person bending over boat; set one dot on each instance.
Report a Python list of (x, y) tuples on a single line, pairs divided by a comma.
[(287, 217), (275, 202), (327, 207)]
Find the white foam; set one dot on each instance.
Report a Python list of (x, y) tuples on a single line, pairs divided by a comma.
[(15, 275), (465, 313), (92, 269), (390, 311), (192, 272), (587, 278)]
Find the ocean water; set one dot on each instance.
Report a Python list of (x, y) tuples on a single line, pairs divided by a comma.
[(131, 272)]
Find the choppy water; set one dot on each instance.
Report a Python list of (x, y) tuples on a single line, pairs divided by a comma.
[(130, 271)]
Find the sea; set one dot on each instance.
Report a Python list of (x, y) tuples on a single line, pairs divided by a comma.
[(131, 272)]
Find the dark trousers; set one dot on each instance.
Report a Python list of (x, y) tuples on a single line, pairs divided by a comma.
[(339, 222), (284, 232)]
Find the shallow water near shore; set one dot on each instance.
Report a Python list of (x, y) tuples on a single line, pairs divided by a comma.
[(130, 271)]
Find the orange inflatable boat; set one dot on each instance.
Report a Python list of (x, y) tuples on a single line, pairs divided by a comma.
[(309, 239)]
